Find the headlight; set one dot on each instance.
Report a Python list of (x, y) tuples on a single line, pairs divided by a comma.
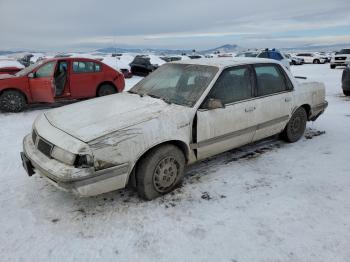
[(63, 155), (83, 161)]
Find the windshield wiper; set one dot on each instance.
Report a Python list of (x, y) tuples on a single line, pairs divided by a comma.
[(159, 97)]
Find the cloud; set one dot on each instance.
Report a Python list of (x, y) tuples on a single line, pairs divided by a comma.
[(42, 24)]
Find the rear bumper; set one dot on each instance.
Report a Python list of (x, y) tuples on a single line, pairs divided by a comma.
[(80, 181), (318, 110)]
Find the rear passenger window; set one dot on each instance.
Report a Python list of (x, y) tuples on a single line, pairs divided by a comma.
[(85, 67), (269, 79), (233, 85)]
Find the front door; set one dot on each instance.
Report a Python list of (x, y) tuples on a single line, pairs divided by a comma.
[(42, 85), (222, 129)]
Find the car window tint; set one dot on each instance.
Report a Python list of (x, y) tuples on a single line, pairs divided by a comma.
[(269, 79), (46, 70), (233, 85), (263, 55), (83, 67), (276, 56), (97, 67)]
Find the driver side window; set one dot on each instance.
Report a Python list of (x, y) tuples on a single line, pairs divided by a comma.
[(233, 85), (46, 70)]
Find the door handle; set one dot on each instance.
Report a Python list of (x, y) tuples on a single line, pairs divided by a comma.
[(287, 99), (250, 109)]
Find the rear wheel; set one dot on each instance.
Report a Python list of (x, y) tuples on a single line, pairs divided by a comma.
[(12, 101), (296, 126), (332, 66), (105, 90), (316, 61), (347, 93), (159, 171)]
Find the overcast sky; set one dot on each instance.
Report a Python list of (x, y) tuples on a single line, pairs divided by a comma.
[(66, 25)]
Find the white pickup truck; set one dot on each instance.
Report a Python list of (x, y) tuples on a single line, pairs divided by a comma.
[(183, 112)]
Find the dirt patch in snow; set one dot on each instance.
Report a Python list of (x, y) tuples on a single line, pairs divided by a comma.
[(311, 133)]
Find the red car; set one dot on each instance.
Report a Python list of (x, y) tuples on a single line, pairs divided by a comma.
[(9, 70), (56, 79)]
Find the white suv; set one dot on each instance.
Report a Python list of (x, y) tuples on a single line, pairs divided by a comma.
[(341, 58), (311, 58)]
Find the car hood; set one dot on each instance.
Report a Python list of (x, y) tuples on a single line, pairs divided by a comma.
[(6, 76), (98, 117)]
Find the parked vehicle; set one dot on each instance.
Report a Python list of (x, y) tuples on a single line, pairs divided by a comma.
[(341, 58), (325, 56), (248, 54), (293, 60), (311, 58), (25, 60), (183, 112), (9, 70), (57, 79), (126, 73), (195, 56), (267, 53), (346, 81), (142, 66), (170, 58)]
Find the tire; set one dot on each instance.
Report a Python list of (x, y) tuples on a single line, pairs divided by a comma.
[(105, 90), (12, 101), (332, 66), (316, 61), (347, 93), (296, 126), (159, 171)]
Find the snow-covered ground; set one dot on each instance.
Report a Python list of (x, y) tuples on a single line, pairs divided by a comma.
[(271, 201)]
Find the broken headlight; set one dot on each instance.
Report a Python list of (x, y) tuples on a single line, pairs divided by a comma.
[(83, 161), (63, 155)]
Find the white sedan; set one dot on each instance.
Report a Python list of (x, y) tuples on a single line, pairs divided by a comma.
[(183, 112)]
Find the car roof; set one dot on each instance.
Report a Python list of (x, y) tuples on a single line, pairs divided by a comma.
[(73, 58), (225, 62)]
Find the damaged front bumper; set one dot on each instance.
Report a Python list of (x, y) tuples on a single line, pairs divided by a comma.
[(81, 181)]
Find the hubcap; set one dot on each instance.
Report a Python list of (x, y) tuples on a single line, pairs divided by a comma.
[(165, 174)]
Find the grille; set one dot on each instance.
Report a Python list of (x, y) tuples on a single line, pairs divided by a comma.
[(34, 136), (340, 58), (44, 147)]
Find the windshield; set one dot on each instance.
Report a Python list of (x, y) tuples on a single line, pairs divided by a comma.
[(181, 84), (344, 51), (28, 69)]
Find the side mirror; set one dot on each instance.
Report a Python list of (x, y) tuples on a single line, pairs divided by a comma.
[(31, 75), (213, 103)]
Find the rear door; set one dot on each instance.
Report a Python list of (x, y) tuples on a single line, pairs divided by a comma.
[(84, 78), (42, 85), (222, 129), (274, 100)]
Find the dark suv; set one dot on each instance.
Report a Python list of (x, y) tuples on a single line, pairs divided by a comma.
[(346, 81), (142, 66)]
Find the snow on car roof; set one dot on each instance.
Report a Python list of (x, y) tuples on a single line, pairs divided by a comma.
[(225, 62)]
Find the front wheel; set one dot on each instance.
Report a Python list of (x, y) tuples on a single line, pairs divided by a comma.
[(296, 126), (12, 101), (105, 90), (347, 93), (332, 66), (159, 171), (316, 61)]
